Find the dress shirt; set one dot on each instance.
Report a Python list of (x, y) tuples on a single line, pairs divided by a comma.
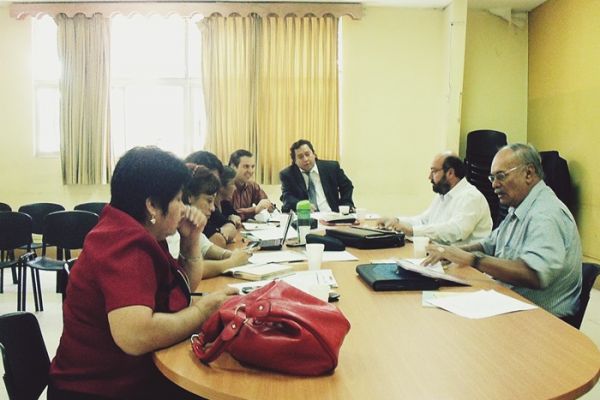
[(458, 217), (174, 239), (542, 232), (245, 196), (322, 203)]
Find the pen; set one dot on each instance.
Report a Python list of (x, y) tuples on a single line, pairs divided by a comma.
[(197, 294)]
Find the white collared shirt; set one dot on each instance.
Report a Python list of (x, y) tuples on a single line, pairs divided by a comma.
[(316, 179), (461, 216)]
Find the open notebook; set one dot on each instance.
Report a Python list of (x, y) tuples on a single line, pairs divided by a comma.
[(259, 272)]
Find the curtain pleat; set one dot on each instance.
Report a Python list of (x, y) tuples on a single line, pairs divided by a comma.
[(84, 85), (269, 82), (229, 80)]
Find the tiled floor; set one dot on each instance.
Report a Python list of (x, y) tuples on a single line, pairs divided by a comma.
[(51, 319)]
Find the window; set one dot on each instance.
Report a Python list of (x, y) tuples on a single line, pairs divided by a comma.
[(156, 93)]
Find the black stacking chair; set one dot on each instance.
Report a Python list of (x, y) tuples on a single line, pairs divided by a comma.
[(15, 231), (66, 230), (95, 207), (24, 354), (589, 273), (37, 212), (4, 207)]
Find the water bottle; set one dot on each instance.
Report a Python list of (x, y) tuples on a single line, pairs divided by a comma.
[(303, 213)]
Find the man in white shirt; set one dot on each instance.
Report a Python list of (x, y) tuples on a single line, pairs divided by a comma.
[(458, 215)]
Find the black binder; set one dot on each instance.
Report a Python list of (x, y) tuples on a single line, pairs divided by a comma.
[(388, 277)]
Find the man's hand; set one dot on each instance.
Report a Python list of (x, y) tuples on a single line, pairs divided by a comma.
[(447, 254), (264, 204)]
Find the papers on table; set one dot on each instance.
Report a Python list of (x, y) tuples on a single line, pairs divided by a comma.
[(480, 304), (257, 272), (435, 271), (301, 279), (338, 256), (265, 257), (272, 232)]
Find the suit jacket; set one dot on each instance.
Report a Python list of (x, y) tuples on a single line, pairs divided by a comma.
[(336, 185)]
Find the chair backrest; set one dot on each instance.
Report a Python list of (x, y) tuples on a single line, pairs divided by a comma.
[(26, 361), (4, 207), (589, 273), (15, 230), (37, 212), (484, 143), (67, 229), (95, 207)]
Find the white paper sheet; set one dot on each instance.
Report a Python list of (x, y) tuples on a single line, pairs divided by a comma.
[(301, 279), (481, 304), (414, 264), (265, 257), (338, 256)]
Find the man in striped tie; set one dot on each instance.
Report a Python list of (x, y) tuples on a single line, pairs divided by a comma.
[(322, 182)]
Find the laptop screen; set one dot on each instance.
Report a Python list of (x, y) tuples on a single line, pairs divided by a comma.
[(287, 225)]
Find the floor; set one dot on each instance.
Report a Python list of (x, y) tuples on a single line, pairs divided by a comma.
[(51, 319)]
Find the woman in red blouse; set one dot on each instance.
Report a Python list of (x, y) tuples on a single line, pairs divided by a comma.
[(126, 296)]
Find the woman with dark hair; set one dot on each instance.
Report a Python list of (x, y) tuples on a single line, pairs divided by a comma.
[(223, 224), (201, 192), (127, 296)]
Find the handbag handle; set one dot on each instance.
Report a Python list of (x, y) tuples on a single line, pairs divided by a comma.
[(217, 347)]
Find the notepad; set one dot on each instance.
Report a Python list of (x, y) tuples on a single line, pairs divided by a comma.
[(259, 272)]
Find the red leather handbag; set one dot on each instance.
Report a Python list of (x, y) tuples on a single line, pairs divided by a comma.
[(277, 327)]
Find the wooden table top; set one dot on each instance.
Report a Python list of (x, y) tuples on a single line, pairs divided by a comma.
[(397, 349)]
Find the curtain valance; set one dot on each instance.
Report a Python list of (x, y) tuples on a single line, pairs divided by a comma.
[(22, 10)]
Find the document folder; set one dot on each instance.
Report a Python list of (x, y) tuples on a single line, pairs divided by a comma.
[(387, 277)]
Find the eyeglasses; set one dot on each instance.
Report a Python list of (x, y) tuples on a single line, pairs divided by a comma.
[(503, 174)]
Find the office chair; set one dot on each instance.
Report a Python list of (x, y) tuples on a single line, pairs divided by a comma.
[(4, 207), (37, 212), (95, 207), (24, 354), (15, 231), (589, 273), (66, 230)]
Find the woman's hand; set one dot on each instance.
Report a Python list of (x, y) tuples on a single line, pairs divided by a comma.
[(190, 227), (239, 257), (211, 302), (236, 220)]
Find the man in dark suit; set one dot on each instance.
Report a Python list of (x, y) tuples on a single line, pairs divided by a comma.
[(322, 182)]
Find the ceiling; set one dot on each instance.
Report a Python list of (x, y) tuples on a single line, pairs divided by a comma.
[(515, 5)]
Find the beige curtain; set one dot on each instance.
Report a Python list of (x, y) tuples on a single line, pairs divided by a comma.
[(83, 47), (297, 90), (229, 81), (269, 82)]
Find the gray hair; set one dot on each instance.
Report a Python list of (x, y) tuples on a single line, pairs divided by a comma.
[(527, 155)]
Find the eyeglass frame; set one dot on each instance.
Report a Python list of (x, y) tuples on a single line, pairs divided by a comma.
[(501, 176)]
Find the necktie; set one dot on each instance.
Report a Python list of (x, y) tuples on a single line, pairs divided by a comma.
[(312, 193)]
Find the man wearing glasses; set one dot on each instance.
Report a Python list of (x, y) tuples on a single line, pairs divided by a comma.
[(458, 215), (536, 249)]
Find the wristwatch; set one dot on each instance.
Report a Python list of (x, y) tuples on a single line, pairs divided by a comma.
[(476, 261)]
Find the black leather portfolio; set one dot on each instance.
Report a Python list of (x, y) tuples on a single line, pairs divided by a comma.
[(385, 277)]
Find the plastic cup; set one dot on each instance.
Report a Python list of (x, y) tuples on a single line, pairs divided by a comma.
[(344, 210), (314, 252), (419, 246)]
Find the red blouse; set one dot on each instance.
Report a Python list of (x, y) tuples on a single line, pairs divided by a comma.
[(120, 265)]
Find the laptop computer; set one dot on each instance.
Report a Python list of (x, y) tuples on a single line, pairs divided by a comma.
[(277, 244)]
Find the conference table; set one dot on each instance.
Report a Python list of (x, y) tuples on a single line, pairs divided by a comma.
[(398, 349)]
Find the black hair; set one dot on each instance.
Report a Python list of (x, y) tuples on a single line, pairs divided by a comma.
[(456, 164), (146, 172), (206, 158), (227, 176), (234, 159), (296, 145), (203, 181)]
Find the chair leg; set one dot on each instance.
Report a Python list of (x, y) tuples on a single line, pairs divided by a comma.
[(21, 289), (39, 290), (35, 286), (2, 280), (14, 274)]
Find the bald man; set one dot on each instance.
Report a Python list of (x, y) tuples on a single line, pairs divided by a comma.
[(459, 214)]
